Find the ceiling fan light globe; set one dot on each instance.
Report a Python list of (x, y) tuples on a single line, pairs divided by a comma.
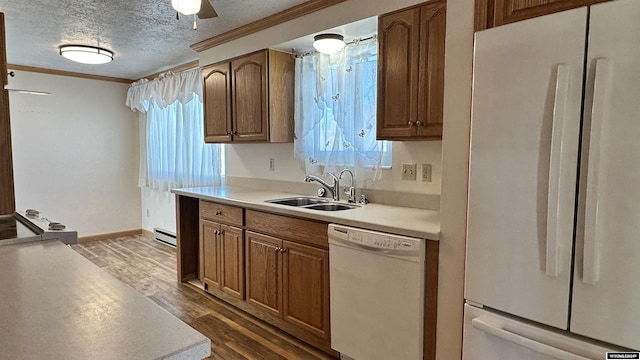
[(328, 43), (186, 7)]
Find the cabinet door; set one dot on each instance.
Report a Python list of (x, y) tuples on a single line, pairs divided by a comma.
[(431, 78), (264, 272), (606, 284), (306, 288), (250, 112), (232, 264), (217, 103), (490, 13), (210, 253), (398, 56)]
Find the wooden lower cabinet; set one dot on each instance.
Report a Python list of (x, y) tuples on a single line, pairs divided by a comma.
[(209, 254), (222, 258), (305, 287), (290, 280), (264, 272)]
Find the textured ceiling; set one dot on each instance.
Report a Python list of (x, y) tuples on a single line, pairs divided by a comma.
[(144, 34)]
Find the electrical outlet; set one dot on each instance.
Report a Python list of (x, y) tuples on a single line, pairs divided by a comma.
[(272, 164), (426, 172), (409, 171)]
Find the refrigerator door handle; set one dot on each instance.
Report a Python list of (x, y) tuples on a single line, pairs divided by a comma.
[(557, 177), (594, 175), (520, 340)]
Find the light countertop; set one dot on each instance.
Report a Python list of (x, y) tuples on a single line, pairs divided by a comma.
[(398, 220), (55, 304)]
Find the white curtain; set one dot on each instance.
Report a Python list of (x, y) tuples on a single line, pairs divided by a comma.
[(336, 112), (172, 149)]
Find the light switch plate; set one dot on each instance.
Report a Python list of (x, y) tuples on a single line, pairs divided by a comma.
[(409, 171)]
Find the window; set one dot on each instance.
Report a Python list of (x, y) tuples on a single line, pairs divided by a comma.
[(336, 113), (177, 155), (172, 149)]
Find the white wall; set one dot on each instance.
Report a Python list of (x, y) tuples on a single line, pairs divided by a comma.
[(75, 152), (455, 160), (252, 161), (158, 210)]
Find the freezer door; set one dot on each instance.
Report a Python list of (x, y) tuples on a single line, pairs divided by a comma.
[(527, 86), (489, 336), (607, 277)]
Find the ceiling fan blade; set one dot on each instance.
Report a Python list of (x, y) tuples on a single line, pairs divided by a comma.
[(206, 10)]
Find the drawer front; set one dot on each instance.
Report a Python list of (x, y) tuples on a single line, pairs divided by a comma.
[(221, 213), (285, 227)]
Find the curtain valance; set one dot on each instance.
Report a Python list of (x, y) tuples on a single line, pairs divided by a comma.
[(165, 90)]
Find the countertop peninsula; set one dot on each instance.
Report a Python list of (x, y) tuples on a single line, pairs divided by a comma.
[(55, 304), (398, 220)]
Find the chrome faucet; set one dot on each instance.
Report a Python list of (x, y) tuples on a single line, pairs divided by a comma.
[(351, 190), (334, 188)]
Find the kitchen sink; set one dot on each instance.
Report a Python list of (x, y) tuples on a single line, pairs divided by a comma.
[(312, 203), (298, 201), (331, 207)]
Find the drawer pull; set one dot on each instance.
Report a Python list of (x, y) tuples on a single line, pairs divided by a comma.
[(218, 212)]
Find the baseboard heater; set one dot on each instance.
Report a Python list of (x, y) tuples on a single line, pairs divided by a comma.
[(164, 236)]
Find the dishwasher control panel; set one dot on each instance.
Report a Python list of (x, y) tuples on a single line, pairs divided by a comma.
[(375, 241), (380, 240)]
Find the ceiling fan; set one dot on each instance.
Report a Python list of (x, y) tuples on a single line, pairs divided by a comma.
[(200, 8)]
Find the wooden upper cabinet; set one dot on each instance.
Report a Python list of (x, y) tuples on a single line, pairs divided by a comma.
[(250, 98), (399, 43), (490, 13), (411, 72), (217, 95), (431, 88), (250, 95)]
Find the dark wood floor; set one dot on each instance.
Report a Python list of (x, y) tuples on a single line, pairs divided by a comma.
[(150, 268)]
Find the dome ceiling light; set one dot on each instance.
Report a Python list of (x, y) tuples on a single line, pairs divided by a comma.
[(328, 43), (86, 54)]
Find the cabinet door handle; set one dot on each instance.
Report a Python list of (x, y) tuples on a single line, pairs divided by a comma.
[(216, 232), (218, 212), (411, 123), (278, 249), (418, 123), (283, 250)]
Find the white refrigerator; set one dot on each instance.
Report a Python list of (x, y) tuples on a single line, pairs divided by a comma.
[(553, 235)]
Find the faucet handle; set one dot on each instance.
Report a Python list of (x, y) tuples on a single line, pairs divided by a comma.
[(351, 192)]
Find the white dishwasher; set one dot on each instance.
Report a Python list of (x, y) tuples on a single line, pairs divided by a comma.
[(377, 294)]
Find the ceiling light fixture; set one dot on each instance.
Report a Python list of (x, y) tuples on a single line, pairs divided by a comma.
[(186, 7), (86, 54), (328, 43)]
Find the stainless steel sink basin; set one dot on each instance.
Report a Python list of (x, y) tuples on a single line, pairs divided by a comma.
[(331, 207), (312, 203), (298, 201)]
